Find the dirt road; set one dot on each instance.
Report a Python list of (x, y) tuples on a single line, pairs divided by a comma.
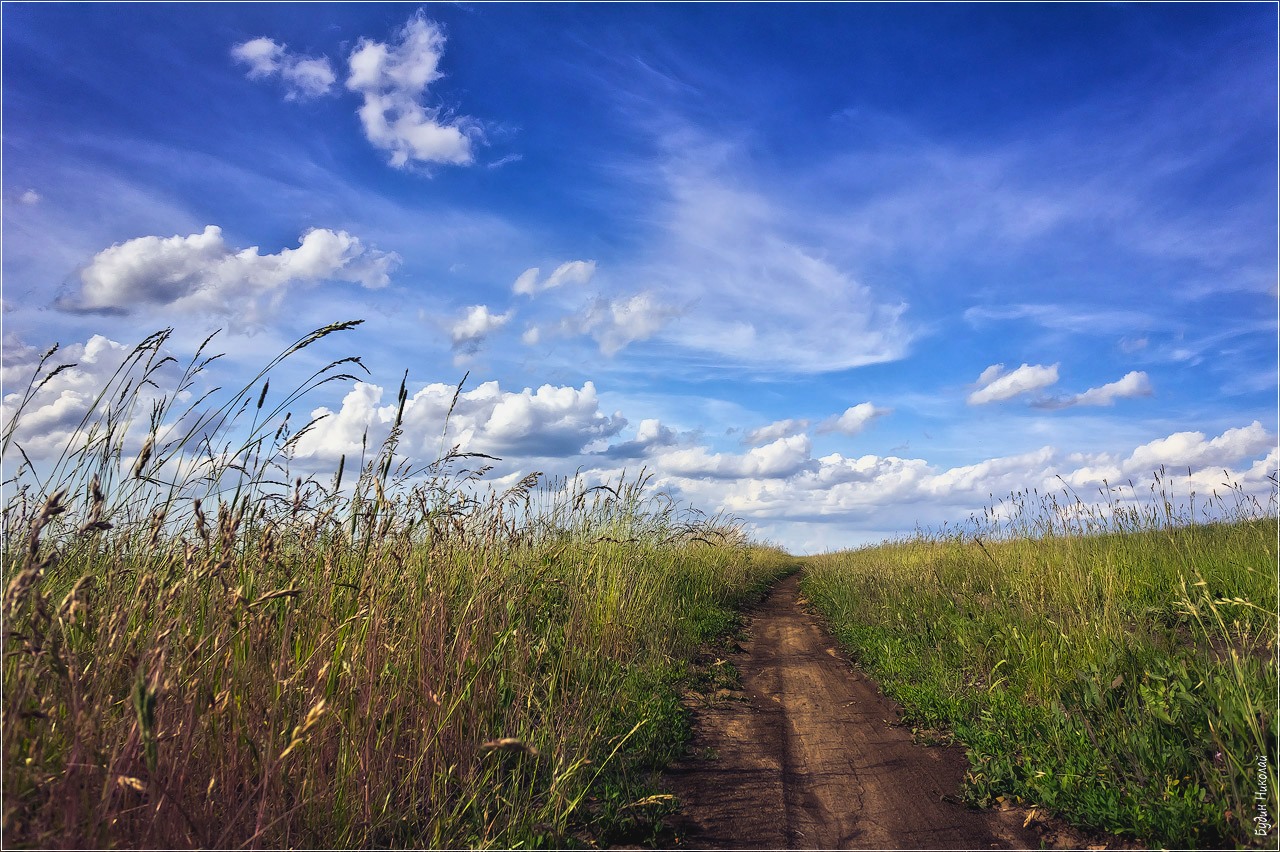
[(806, 757)]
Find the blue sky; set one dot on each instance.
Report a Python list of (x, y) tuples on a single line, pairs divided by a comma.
[(835, 269)]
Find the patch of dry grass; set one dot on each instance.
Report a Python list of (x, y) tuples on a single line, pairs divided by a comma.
[(202, 649)]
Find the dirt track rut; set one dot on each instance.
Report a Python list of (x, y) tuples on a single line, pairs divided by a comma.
[(807, 757)]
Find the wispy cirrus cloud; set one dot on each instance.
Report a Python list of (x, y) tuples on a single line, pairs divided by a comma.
[(726, 247), (1069, 318), (613, 323)]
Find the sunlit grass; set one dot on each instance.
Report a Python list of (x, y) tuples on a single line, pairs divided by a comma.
[(1112, 661), (202, 648)]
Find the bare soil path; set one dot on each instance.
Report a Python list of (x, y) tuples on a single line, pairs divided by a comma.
[(807, 756)]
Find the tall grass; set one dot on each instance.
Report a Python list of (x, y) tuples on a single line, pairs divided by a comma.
[(202, 648), (1114, 661)]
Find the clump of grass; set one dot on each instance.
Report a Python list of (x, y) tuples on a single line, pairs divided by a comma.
[(1114, 662), (203, 648)]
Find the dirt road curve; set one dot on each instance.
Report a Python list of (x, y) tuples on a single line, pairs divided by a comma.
[(806, 757)]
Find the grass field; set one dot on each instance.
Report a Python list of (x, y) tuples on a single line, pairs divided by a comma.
[(203, 649), (1112, 661)]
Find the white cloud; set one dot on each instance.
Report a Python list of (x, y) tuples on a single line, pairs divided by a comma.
[(855, 418), (392, 78), (90, 382), (1062, 317), (729, 248), (28, 197), (651, 436), (527, 282), (201, 274), (476, 323), (1190, 449), (990, 374), (551, 421), (780, 459), (996, 385), (613, 323), (52, 415), (890, 493), (774, 431), (576, 272), (502, 161), (304, 76), (995, 476), (1131, 384), (651, 431)]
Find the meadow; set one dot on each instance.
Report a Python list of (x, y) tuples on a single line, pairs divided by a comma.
[(1111, 660), (203, 648)]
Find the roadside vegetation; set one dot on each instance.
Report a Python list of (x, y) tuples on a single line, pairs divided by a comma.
[(204, 648), (1113, 661)]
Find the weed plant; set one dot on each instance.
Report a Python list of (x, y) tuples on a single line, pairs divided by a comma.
[(1114, 662), (202, 648)]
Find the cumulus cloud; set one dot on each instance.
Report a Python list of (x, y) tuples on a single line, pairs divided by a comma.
[(1132, 384), (469, 331), (1192, 449), (996, 384), (28, 197), (854, 419), (50, 418), (393, 78), (774, 431), (201, 274), (91, 375), (575, 272), (995, 476), (778, 459), (549, 422), (891, 493), (303, 76), (651, 436)]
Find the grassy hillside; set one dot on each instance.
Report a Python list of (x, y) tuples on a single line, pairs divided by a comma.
[(1114, 662), (203, 649)]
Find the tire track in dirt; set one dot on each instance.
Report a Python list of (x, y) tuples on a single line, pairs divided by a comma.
[(806, 756)]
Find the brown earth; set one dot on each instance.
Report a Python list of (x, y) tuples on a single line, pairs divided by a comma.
[(809, 755)]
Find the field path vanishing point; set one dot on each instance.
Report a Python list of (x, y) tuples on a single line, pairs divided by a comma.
[(807, 756)]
